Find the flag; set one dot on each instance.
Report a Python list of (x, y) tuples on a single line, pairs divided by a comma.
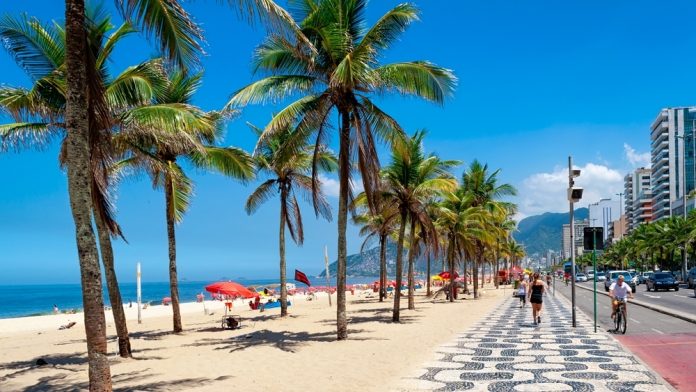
[(301, 277)]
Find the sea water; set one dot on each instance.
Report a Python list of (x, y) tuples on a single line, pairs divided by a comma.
[(34, 300)]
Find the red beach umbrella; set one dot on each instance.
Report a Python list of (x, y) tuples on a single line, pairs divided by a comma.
[(230, 288), (446, 275)]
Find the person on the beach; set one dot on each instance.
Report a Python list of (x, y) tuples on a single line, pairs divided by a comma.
[(522, 292), (535, 297), (55, 309)]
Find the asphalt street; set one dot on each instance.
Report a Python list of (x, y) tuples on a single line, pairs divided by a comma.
[(640, 320), (682, 300)]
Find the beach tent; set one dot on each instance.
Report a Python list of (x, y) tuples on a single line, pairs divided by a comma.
[(446, 275)]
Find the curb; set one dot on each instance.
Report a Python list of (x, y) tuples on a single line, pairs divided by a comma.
[(656, 308)]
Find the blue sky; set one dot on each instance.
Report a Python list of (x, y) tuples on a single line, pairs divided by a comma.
[(538, 81)]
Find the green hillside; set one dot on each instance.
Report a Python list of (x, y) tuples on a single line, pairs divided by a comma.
[(540, 233)]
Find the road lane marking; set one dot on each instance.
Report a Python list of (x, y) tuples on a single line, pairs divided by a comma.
[(634, 320), (652, 296), (658, 331), (683, 296)]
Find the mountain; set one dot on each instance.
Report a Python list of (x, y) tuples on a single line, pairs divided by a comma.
[(367, 263), (539, 233)]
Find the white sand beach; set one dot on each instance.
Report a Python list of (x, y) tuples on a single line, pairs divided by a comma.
[(297, 353)]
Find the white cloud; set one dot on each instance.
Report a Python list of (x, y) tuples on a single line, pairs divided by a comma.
[(636, 158), (331, 185), (547, 192)]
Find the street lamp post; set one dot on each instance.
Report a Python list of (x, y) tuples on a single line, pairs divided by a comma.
[(574, 195), (683, 189)]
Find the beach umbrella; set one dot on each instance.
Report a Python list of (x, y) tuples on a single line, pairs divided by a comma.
[(231, 289), (446, 275)]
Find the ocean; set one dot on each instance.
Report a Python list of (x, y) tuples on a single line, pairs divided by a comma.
[(35, 300)]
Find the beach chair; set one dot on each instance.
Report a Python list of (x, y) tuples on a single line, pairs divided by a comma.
[(232, 321)]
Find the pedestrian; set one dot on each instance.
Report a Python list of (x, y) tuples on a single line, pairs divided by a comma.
[(535, 297), (522, 292), (55, 309)]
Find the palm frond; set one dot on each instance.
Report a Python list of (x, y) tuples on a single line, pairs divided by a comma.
[(230, 161), (419, 78), (182, 186), (26, 135), (37, 49), (122, 31), (260, 195), (179, 37), (136, 85), (271, 89)]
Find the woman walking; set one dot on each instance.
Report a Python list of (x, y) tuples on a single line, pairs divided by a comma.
[(522, 291), (535, 297)]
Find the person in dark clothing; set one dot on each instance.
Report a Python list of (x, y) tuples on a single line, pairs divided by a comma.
[(536, 297)]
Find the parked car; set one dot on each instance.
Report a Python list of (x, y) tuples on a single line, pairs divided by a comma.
[(677, 276), (646, 275), (590, 275), (612, 276), (662, 281), (691, 278), (601, 277), (580, 277), (634, 277)]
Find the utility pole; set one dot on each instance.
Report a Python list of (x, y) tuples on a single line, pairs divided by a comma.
[(621, 225), (574, 195)]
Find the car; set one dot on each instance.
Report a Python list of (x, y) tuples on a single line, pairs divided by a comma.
[(634, 277), (612, 276), (601, 276), (677, 276), (580, 277), (644, 276), (691, 278), (662, 281), (590, 274)]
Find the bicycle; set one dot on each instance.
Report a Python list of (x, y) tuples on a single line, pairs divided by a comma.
[(620, 317)]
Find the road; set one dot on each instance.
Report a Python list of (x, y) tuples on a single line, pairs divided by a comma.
[(682, 301), (640, 320), (664, 342)]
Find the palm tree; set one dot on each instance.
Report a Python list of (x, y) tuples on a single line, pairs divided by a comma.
[(410, 179), (289, 162), (485, 192), (379, 224), (175, 129), (39, 112), (334, 64), (179, 38)]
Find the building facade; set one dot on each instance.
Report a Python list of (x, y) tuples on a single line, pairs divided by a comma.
[(672, 156), (579, 237), (638, 194), (603, 213)]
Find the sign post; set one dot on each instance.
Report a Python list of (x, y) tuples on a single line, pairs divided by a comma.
[(594, 240), (138, 292), (328, 277)]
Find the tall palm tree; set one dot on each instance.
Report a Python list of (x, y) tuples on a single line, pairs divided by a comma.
[(178, 130), (39, 113), (410, 180), (334, 64), (289, 164), (179, 38), (485, 191)]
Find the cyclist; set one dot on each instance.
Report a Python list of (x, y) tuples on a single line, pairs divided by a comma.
[(618, 291)]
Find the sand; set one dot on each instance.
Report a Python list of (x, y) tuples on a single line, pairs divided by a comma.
[(269, 353)]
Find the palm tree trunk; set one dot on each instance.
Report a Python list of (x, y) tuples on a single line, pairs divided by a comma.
[(476, 263), (411, 262), (171, 235), (496, 268), (77, 163), (466, 276), (344, 188), (427, 276), (281, 247), (107, 256), (399, 265), (450, 252), (382, 267)]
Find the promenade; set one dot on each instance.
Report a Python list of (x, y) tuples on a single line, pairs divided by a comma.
[(505, 351)]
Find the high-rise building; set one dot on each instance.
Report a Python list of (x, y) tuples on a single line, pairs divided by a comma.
[(602, 213), (672, 153), (579, 237), (638, 193)]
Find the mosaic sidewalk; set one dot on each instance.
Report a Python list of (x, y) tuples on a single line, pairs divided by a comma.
[(507, 352)]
